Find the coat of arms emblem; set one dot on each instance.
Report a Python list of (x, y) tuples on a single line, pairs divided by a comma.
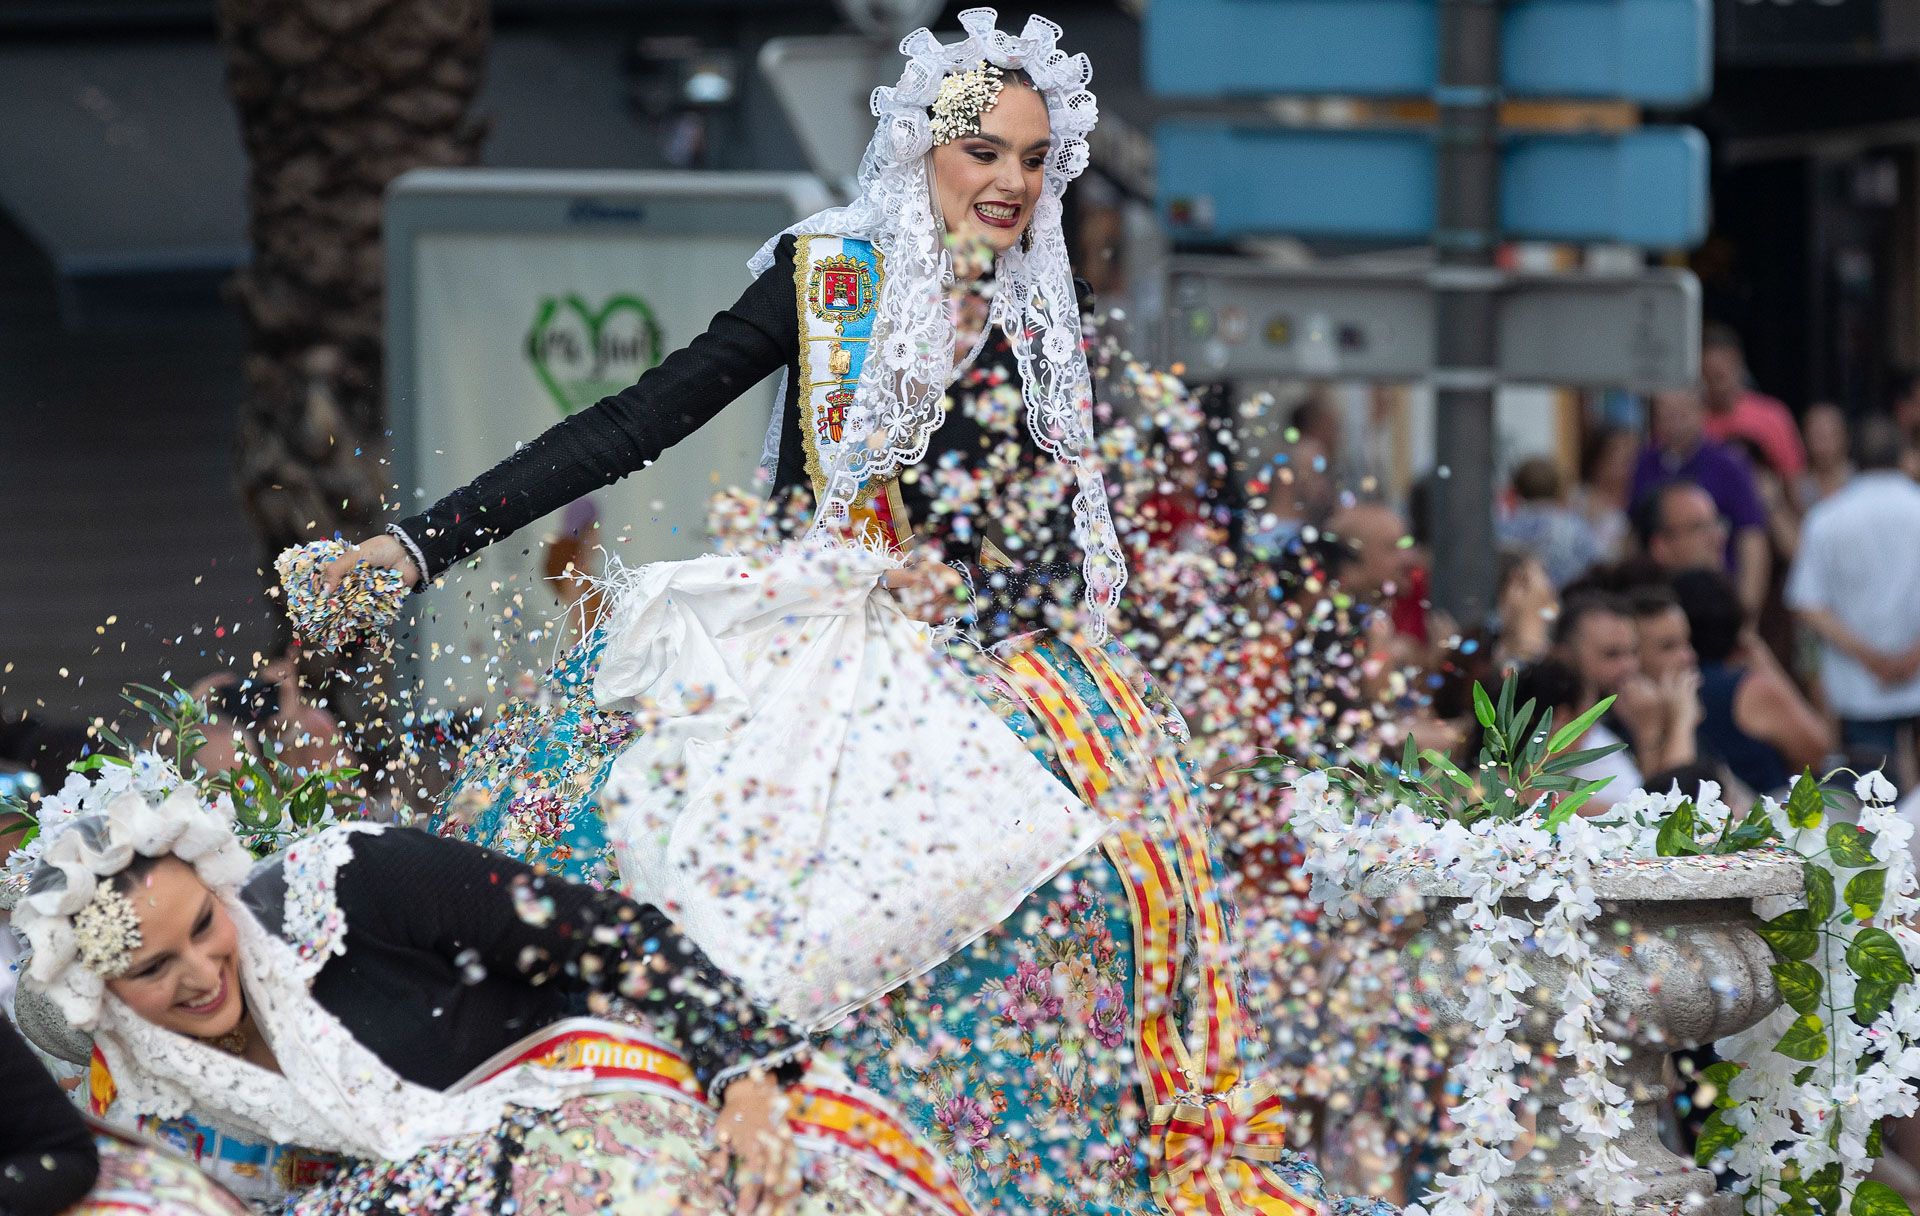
[(840, 290), (832, 423)]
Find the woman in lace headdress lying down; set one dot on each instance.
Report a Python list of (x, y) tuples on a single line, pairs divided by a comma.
[(400, 1003)]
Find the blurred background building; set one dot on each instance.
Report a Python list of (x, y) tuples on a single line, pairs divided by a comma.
[(124, 211)]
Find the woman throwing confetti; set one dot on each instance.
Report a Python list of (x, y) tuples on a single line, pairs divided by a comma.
[(1087, 1051)]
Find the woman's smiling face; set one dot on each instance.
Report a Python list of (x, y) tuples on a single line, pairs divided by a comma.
[(987, 183), (185, 977)]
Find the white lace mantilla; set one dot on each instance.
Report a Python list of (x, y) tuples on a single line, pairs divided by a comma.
[(900, 400), (332, 1093), (312, 922)]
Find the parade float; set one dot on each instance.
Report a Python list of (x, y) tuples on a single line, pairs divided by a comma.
[(1567, 957)]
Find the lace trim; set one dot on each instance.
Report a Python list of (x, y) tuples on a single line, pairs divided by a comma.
[(414, 551), (313, 923), (717, 1087)]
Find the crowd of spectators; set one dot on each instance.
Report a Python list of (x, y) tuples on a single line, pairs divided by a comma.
[(1745, 585)]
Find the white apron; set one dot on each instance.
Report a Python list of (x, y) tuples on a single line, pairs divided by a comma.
[(816, 796)]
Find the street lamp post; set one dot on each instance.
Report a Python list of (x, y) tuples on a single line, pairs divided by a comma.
[(1466, 235)]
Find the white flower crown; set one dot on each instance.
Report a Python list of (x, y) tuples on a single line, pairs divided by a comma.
[(91, 831)]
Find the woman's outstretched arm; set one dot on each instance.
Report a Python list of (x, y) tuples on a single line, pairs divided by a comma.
[(619, 435), (473, 906)]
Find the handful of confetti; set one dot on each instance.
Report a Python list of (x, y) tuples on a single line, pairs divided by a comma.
[(362, 606)]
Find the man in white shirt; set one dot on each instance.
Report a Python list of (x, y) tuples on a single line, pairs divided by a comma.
[(1856, 584)]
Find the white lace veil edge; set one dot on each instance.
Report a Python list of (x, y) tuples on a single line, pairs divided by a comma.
[(900, 400), (333, 1094)]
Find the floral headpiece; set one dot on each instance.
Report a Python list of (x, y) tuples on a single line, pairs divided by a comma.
[(106, 932), (82, 930), (964, 97)]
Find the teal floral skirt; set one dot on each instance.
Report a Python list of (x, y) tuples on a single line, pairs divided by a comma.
[(1014, 1056), (529, 787)]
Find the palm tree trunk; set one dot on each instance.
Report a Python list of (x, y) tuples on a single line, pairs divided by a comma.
[(336, 98)]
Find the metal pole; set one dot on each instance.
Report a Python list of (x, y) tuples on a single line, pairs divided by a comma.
[(1465, 237)]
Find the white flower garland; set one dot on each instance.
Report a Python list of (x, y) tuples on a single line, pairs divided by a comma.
[(1494, 860), (146, 772)]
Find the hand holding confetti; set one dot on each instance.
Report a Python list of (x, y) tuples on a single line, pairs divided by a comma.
[(363, 604)]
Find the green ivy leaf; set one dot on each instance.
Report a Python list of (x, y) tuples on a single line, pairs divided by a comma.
[(1799, 984), (1852, 847), (1790, 935), (1871, 998), (1806, 1039), (1872, 1198), (1874, 955), (1716, 1137), (1720, 1074), (1804, 1075), (1804, 804), (1675, 838), (1817, 882), (1824, 1188), (1874, 1147), (1864, 892), (1753, 831)]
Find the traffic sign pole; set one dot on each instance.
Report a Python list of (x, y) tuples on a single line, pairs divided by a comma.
[(1466, 234)]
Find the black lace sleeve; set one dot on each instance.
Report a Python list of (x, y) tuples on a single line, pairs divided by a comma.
[(47, 1158), (623, 433), (476, 908)]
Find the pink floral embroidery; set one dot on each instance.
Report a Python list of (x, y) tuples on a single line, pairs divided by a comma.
[(539, 815), (1030, 998), (1109, 1020), (965, 1119)]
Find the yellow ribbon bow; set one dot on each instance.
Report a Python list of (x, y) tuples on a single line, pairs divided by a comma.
[(1217, 1155)]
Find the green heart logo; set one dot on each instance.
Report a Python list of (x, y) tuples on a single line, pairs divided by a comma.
[(582, 354)]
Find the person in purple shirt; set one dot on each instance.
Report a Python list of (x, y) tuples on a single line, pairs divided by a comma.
[(1680, 450)]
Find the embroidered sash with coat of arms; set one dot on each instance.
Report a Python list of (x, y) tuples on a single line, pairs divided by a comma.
[(837, 283)]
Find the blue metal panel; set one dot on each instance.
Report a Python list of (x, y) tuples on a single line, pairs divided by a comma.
[(1227, 48), (1222, 181), (1646, 187), (1238, 181), (1657, 52)]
